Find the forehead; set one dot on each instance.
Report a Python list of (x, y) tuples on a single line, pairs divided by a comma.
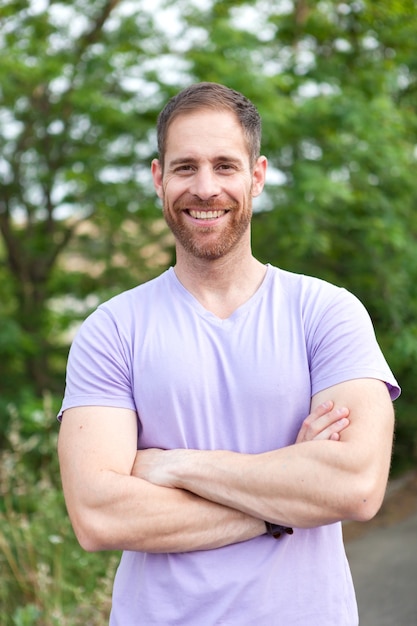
[(205, 132)]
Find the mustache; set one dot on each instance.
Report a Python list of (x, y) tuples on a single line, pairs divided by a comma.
[(191, 202)]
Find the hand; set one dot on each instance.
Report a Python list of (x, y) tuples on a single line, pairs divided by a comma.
[(325, 422), (154, 465)]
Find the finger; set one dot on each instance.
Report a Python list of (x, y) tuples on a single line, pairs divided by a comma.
[(322, 426), (332, 423), (319, 411), (333, 429)]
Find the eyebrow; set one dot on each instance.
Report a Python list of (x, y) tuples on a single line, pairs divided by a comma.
[(193, 160), (179, 161)]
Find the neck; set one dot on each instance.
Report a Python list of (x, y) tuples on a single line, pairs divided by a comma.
[(220, 285)]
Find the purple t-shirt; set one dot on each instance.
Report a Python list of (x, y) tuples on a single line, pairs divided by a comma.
[(243, 384)]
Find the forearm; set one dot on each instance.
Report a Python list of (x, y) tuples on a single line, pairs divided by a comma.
[(301, 486), (297, 485), (127, 513), (310, 483)]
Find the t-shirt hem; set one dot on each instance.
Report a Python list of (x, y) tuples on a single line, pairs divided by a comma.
[(116, 403), (341, 377)]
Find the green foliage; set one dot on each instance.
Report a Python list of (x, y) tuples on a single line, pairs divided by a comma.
[(75, 133), (40, 560)]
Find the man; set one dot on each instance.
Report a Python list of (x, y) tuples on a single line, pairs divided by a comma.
[(183, 440)]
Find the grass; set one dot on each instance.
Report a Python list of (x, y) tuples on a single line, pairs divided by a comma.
[(46, 579)]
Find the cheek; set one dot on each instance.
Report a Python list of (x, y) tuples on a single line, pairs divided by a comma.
[(171, 190)]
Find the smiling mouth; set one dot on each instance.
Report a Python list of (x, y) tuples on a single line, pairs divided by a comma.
[(206, 215)]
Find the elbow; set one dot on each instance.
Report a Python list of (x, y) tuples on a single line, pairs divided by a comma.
[(89, 533), (89, 542), (365, 509), (365, 501)]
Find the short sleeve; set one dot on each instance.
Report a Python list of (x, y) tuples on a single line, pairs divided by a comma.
[(98, 368), (344, 346)]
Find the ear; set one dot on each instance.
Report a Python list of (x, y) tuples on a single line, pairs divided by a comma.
[(258, 176), (156, 170)]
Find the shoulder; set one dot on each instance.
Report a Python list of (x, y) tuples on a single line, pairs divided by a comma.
[(320, 306), (139, 296), (118, 317), (309, 292)]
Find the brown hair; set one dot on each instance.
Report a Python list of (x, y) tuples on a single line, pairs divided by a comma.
[(212, 96)]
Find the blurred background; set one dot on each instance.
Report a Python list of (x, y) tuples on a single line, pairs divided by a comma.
[(81, 84)]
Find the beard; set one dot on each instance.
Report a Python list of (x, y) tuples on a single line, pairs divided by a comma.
[(209, 242)]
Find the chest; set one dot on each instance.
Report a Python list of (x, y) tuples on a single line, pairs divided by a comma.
[(241, 383)]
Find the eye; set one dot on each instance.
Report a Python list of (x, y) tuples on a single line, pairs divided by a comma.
[(226, 168), (185, 168)]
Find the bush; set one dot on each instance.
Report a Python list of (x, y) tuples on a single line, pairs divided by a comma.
[(47, 579)]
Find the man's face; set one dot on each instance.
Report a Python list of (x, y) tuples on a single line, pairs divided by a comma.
[(207, 183)]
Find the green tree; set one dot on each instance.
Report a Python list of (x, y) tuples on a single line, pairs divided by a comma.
[(76, 111)]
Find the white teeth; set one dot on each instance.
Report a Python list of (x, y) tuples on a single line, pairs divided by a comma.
[(206, 215)]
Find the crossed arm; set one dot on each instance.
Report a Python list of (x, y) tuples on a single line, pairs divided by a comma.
[(183, 500)]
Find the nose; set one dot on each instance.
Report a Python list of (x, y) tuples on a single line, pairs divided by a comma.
[(205, 184)]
